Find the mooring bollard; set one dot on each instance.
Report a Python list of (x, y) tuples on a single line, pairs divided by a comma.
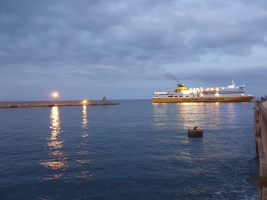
[(195, 132)]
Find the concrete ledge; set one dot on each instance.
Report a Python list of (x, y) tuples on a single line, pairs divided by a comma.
[(260, 149), (263, 108), (264, 193), (260, 131)]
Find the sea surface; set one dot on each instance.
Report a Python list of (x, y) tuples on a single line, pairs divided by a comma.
[(135, 150)]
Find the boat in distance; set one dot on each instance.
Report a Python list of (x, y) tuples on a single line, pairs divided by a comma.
[(231, 93)]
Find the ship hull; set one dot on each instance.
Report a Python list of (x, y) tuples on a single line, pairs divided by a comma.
[(203, 99)]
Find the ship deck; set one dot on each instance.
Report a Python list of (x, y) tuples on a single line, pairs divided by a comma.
[(203, 99)]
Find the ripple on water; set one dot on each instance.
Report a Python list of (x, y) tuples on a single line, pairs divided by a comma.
[(136, 150)]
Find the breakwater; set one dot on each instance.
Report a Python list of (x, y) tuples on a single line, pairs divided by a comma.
[(18, 104), (260, 129)]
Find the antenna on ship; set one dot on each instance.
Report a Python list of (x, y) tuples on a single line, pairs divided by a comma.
[(233, 83)]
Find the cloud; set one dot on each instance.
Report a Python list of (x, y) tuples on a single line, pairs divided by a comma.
[(125, 40)]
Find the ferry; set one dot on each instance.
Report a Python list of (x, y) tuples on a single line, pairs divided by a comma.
[(230, 93)]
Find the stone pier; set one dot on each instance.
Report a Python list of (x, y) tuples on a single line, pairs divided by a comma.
[(18, 104), (260, 130)]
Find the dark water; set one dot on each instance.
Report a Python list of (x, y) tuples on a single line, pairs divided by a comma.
[(135, 150)]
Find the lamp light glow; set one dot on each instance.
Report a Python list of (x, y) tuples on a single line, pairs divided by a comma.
[(55, 94), (84, 102)]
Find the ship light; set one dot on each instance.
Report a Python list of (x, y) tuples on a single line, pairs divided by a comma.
[(186, 92)]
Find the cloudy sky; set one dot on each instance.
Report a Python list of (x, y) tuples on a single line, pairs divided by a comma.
[(126, 49)]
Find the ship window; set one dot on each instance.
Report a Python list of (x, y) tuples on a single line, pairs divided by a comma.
[(181, 96), (186, 96), (170, 96), (175, 96)]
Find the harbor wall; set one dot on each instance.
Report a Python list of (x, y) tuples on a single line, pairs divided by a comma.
[(260, 130), (18, 104)]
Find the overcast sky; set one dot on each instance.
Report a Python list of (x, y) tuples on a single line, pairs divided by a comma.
[(126, 49)]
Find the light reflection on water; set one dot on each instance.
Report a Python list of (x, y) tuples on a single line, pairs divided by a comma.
[(84, 122), (209, 116), (187, 115), (83, 153), (231, 113), (57, 159), (203, 115), (160, 113)]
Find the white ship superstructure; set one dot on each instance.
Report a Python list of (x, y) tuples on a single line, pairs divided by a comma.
[(231, 93)]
